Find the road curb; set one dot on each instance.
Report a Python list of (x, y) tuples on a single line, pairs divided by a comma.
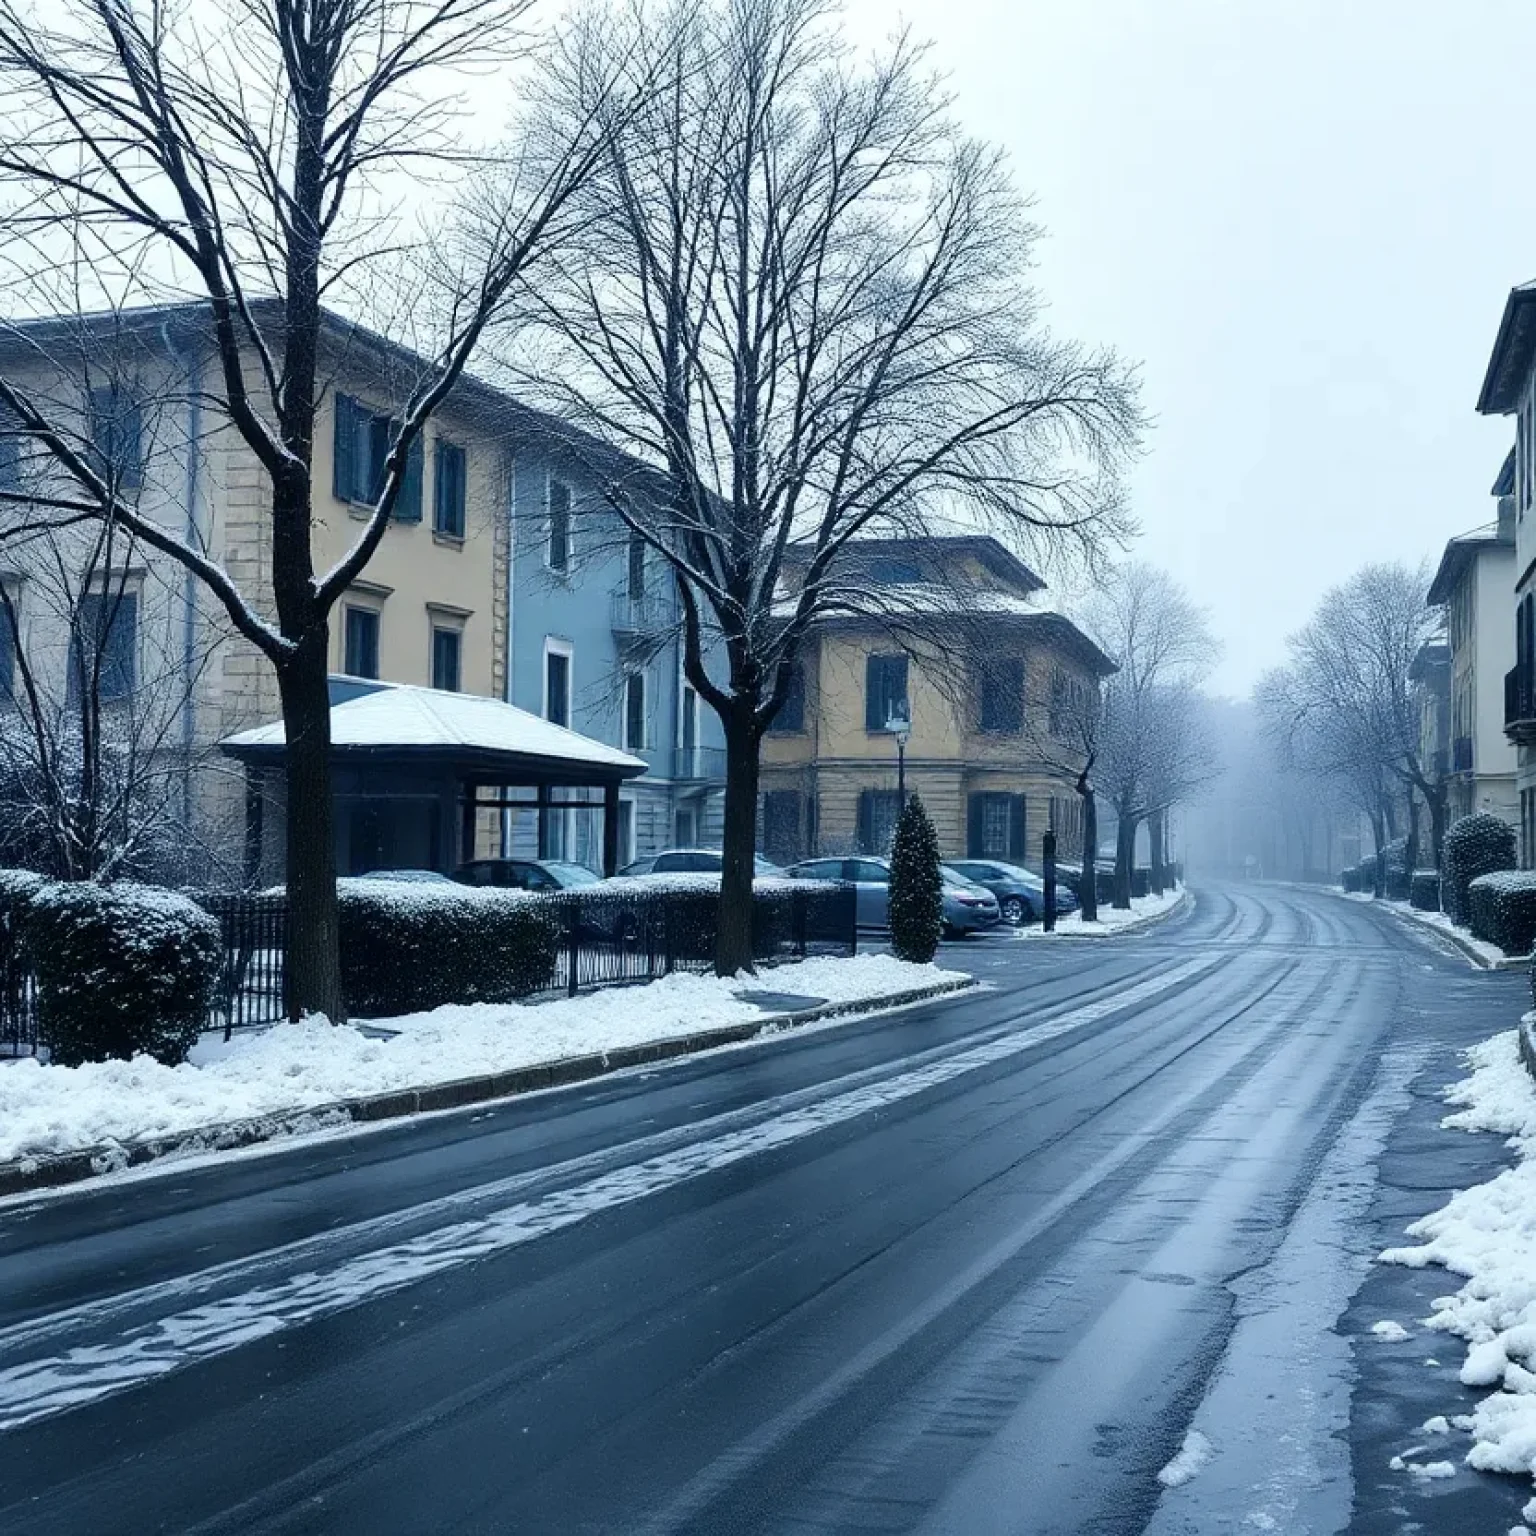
[(1140, 925), (33, 1173), (1457, 940), (1528, 1042)]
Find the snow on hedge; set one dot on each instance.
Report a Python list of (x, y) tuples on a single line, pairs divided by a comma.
[(1487, 1235), (47, 1110)]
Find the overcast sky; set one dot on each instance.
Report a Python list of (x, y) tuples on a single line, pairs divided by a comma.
[(1302, 217)]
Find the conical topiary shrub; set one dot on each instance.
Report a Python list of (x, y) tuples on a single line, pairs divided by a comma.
[(917, 903)]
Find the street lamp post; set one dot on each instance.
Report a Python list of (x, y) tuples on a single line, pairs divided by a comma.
[(899, 724)]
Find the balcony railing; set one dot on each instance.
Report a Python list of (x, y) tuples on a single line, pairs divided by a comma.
[(695, 764), (1461, 755), (644, 615), (1519, 701)]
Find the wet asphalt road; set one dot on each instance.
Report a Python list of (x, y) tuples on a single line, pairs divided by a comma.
[(975, 1267)]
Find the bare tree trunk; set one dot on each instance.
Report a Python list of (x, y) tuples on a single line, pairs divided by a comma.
[(313, 970), (1125, 860), (733, 938), (1379, 837), (1155, 827), (1413, 831), (1437, 823)]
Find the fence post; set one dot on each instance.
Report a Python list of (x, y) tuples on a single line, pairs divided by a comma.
[(1048, 917), (799, 911), (573, 945), (851, 901), (668, 936)]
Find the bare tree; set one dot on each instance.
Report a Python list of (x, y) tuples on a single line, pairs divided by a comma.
[(239, 158), (800, 294), (1066, 737), (1345, 706), (1153, 749)]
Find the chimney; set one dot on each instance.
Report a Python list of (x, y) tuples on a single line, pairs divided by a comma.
[(1507, 519)]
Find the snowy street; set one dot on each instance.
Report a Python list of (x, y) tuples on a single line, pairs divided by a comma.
[(1090, 1249)]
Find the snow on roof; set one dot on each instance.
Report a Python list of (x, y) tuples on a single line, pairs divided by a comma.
[(913, 599), (403, 715)]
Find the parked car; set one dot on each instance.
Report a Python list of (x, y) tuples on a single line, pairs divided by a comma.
[(526, 874), (408, 876), (967, 907), (1020, 892), (689, 861)]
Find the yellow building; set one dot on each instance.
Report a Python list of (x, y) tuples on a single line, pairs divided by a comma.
[(950, 635)]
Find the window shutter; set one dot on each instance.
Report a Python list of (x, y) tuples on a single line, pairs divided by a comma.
[(408, 502), (874, 693), (344, 467), (1016, 829), (866, 828), (975, 834), (448, 489)]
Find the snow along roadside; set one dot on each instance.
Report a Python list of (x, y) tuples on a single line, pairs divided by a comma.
[(1145, 911), (1487, 1235), (257, 1082)]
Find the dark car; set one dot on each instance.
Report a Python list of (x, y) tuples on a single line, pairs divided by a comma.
[(689, 861), (967, 906), (525, 874), (1020, 892)]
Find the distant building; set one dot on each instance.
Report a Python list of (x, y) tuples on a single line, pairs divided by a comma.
[(951, 638), (1430, 676), (1474, 585)]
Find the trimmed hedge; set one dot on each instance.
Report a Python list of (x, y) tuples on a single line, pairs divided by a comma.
[(407, 949), (1396, 874), (1350, 878), (1424, 890), (119, 970), (1502, 909), (1479, 844)]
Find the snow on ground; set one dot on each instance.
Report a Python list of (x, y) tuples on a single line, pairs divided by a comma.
[(1491, 953), (1193, 1455), (1487, 1235), (1389, 1331), (46, 1110), (1143, 910)]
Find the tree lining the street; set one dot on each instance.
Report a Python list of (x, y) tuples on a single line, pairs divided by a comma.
[(238, 161), (798, 289)]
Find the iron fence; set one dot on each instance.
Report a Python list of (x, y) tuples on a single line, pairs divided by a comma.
[(608, 935)]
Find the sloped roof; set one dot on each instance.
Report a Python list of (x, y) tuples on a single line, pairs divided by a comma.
[(1458, 557), (931, 554), (402, 721), (1510, 362)]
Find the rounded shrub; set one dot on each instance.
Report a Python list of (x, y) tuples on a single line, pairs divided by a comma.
[(408, 948), (1502, 909), (120, 970), (1424, 890), (1479, 844), (1396, 873), (1350, 878), (917, 901)]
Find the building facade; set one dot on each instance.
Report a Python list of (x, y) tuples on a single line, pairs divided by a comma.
[(958, 681), (1474, 586)]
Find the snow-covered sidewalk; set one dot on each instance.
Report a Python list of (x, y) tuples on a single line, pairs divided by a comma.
[(1487, 1236), (48, 1111), (1488, 956), (1145, 910)]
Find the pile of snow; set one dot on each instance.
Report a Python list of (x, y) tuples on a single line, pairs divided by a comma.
[(1487, 1235), (47, 1110), (1111, 919), (1186, 1466)]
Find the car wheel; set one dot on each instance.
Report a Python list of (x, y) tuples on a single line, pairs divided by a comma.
[(1015, 913), (947, 930)]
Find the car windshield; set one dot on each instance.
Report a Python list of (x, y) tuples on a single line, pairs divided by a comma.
[(954, 876), (571, 874)]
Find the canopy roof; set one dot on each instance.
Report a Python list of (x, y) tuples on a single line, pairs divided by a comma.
[(400, 724)]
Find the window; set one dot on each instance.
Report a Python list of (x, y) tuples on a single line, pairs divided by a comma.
[(791, 715), (878, 810), (894, 573), (557, 555), (117, 435), (557, 683), (363, 438), (1069, 706), (688, 725), (448, 489), (635, 587), (1001, 691), (360, 642), (686, 826), (885, 690), (634, 712), (103, 647), (782, 840), (995, 826), (447, 655)]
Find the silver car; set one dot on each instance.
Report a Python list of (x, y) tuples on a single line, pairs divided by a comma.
[(967, 906)]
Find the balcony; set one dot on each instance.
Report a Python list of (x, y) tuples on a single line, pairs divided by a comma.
[(696, 765), (634, 618), (1520, 706)]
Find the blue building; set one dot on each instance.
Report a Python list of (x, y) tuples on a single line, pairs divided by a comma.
[(594, 642)]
